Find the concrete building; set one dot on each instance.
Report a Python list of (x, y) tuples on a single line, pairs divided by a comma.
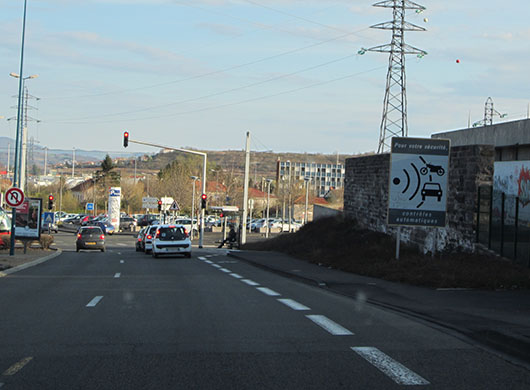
[(324, 177), (510, 139)]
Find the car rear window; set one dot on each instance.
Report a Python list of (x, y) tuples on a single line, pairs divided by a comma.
[(86, 232), (171, 233)]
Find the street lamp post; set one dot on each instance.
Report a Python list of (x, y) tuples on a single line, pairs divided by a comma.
[(306, 179), (268, 200), (194, 178)]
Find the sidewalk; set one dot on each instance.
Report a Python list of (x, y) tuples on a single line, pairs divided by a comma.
[(497, 319)]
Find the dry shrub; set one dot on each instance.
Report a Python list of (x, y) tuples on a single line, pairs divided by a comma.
[(46, 240)]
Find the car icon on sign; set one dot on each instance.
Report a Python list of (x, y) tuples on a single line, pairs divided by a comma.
[(431, 189)]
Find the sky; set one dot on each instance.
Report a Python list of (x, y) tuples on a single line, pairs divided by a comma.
[(201, 73)]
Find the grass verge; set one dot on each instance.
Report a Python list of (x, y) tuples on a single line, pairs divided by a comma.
[(339, 243)]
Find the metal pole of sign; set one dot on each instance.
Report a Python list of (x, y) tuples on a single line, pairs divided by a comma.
[(398, 240)]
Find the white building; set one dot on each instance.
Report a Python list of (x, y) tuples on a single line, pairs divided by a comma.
[(323, 177)]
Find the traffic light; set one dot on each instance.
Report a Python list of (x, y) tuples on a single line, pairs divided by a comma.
[(125, 139), (222, 215), (50, 202), (159, 206), (203, 201)]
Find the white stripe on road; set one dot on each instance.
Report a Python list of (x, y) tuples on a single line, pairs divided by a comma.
[(17, 366), (209, 256), (268, 291), (201, 258), (237, 276), (208, 261), (216, 265), (224, 270), (94, 301), (250, 282), (331, 326), (396, 371), (122, 261), (121, 244), (293, 304), (117, 275)]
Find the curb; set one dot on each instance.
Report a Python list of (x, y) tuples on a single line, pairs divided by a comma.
[(30, 264), (511, 345)]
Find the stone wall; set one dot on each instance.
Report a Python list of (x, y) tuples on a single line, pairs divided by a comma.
[(366, 197)]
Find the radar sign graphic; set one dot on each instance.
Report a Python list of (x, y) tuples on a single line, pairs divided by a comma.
[(418, 181)]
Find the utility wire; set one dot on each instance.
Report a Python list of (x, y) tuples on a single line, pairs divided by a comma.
[(216, 93), (235, 103)]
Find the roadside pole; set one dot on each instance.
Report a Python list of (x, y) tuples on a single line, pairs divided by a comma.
[(245, 191)]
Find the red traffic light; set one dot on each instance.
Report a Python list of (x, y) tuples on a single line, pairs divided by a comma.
[(160, 203), (50, 198), (125, 139), (203, 196), (221, 216)]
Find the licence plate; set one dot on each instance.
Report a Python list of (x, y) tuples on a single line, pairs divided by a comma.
[(90, 243)]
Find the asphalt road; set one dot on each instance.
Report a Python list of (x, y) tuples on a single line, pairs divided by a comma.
[(124, 320)]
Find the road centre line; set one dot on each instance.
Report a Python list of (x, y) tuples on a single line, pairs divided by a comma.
[(329, 325), (224, 270), (117, 275), (268, 291), (17, 366), (250, 282), (393, 369), (94, 301), (293, 304), (216, 266), (237, 276)]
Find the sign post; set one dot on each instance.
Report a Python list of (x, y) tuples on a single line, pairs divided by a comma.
[(419, 168), (14, 198)]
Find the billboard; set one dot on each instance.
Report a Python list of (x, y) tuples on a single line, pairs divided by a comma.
[(513, 179), (419, 168), (114, 207), (28, 219)]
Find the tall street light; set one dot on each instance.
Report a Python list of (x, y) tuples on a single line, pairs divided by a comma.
[(194, 178), (268, 201), (306, 179)]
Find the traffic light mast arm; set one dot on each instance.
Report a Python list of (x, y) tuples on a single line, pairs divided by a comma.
[(204, 155)]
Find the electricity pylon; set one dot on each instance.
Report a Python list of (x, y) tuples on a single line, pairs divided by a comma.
[(394, 121)]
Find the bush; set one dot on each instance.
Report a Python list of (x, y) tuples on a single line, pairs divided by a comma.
[(46, 240)]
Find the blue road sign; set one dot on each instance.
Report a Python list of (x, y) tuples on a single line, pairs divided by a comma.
[(90, 206), (48, 217)]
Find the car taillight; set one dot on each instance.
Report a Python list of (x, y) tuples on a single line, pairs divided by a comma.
[(157, 233), (186, 232), (139, 239), (149, 237), (102, 237), (78, 235)]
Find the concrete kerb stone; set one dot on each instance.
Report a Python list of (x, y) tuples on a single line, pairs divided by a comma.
[(512, 347), (31, 263)]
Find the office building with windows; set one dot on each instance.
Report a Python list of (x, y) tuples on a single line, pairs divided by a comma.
[(322, 177)]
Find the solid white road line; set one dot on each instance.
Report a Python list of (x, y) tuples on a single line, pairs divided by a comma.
[(268, 291), (237, 276), (216, 265), (331, 326), (396, 371), (250, 282), (117, 275), (224, 270), (94, 301), (293, 304)]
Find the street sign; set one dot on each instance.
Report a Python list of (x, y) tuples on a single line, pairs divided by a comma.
[(90, 206), (167, 201), (28, 220), (419, 168), (48, 218), (14, 197), (149, 203), (174, 206)]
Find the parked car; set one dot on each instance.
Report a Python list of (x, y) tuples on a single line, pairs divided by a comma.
[(140, 240), (187, 224), (171, 240), (147, 219), (90, 237), (127, 223), (46, 227), (106, 226), (148, 238)]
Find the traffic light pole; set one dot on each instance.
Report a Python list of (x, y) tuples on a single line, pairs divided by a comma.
[(205, 156)]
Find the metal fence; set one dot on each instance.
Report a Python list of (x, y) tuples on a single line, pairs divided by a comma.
[(503, 224)]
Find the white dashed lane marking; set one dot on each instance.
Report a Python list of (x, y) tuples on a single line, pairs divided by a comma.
[(250, 282), (331, 326), (237, 276), (225, 270), (293, 304), (17, 366), (94, 301), (268, 291), (122, 261), (216, 265), (394, 370), (117, 275), (121, 244), (201, 258), (208, 261)]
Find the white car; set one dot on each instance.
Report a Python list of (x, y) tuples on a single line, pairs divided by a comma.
[(149, 238), (171, 240)]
